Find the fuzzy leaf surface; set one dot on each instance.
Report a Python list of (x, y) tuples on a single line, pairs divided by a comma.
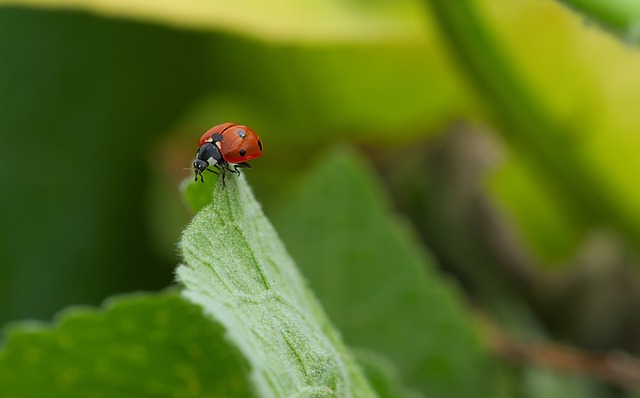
[(237, 269)]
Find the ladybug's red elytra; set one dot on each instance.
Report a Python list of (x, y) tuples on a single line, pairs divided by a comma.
[(226, 147)]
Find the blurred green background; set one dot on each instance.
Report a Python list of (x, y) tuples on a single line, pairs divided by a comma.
[(504, 130)]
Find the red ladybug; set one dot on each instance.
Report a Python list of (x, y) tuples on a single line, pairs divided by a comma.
[(226, 145)]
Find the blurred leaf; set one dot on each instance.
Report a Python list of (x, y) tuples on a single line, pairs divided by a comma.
[(531, 381), (197, 196), (277, 20), (538, 382), (140, 345), (82, 102), (377, 285), (621, 16), (239, 272), (383, 375)]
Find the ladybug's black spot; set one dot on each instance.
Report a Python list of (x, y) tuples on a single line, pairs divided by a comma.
[(241, 134), (243, 152), (260, 144)]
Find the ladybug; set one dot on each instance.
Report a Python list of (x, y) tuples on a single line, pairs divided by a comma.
[(225, 146)]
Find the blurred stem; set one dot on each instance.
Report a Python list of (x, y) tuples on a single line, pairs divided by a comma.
[(613, 367), (524, 121), (621, 16)]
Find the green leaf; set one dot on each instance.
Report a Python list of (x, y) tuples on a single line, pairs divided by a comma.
[(198, 195), (383, 375), (277, 20), (538, 382), (376, 284), (239, 272), (136, 346), (620, 16)]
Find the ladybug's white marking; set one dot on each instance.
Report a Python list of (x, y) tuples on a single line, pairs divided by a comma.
[(211, 161)]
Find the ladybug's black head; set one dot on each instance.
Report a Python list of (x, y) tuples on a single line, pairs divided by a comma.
[(199, 166)]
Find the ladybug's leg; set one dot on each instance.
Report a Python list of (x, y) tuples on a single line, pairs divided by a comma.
[(214, 172), (243, 165), (220, 166), (234, 170), (236, 166), (223, 172)]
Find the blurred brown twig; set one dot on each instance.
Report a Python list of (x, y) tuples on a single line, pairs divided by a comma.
[(615, 367)]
